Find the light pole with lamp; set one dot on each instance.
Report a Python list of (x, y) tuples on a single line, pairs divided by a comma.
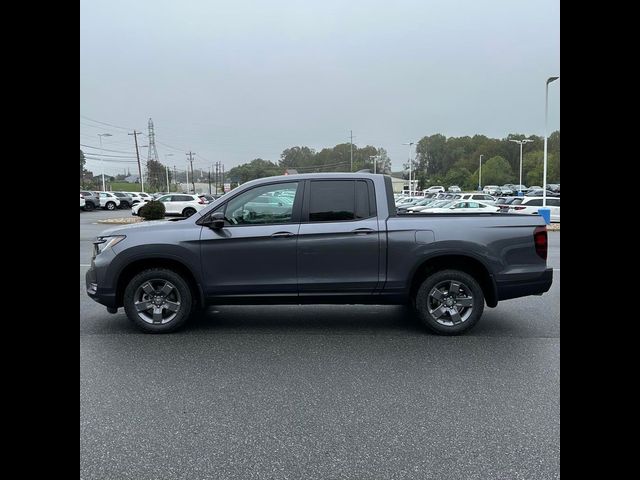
[(544, 168), (410, 162), (521, 142), (480, 175), (100, 135)]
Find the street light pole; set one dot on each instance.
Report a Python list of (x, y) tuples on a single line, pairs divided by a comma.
[(521, 142), (100, 135), (546, 108), (410, 162), (480, 175)]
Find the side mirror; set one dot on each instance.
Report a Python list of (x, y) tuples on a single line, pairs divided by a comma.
[(216, 221)]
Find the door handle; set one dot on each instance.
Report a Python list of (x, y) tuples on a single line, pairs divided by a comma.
[(283, 234), (363, 231)]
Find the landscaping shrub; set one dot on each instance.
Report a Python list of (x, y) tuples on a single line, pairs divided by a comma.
[(152, 210)]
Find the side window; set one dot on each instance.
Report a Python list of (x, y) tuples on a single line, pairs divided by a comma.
[(537, 202), (363, 209), (332, 201), (481, 205), (553, 202), (166, 198), (472, 205), (249, 208), (181, 198)]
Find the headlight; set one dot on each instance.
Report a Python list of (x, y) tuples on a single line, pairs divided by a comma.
[(102, 243)]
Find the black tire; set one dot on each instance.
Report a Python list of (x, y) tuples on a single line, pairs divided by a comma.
[(155, 276), (88, 206), (187, 212), (110, 206), (467, 311)]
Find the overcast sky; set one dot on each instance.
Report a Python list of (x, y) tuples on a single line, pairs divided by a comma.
[(237, 80)]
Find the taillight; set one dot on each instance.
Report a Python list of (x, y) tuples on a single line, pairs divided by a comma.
[(200, 201), (540, 239), (519, 208)]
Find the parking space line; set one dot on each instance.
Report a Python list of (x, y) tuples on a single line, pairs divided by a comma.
[(85, 265)]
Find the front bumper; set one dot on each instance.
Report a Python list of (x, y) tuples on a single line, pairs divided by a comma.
[(524, 285)]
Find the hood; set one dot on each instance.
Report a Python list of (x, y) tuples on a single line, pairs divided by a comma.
[(151, 225)]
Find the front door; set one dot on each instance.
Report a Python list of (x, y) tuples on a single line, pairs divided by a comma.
[(338, 241), (255, 253)]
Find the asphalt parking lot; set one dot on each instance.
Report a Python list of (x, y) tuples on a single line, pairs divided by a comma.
[(320, 392)]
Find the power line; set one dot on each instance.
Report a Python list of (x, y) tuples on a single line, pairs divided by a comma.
[(105, 149), (104, 123)]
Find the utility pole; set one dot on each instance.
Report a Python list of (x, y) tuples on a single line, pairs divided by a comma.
[(209, 179), (410, 164), (351, 147), (167, 171), (480, 174), (223, 179), (193, 180), (135, 138), (187, 172), (217, 176)]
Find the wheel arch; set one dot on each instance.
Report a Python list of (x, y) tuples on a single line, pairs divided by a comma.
[(456, 261), (137, 266)]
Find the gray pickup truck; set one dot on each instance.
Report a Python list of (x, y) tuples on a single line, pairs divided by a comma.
[(340, 241)]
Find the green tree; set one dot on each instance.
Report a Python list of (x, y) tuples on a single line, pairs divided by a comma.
[(297, 157), (257, 168), (496, 171), (458, 176)]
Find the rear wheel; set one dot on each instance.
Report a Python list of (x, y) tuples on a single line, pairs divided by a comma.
[(187, 212), (110, 206), (158, 300), (88, 206), (449, 302)]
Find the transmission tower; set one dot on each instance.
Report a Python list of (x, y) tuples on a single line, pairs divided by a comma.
[(153, 153)]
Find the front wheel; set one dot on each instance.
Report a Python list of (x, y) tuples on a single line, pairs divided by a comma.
[(158, 300), (110, 206), (187, 212), (449, 302)]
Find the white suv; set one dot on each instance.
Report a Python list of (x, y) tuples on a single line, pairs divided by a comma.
[(434, 189), (491, 189), (176, 204), (530, 205), (108, 200)]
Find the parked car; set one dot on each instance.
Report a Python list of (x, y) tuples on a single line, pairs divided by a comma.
[(125, 199), (464, 206), (554, 187), (435, 188), (207, 197), (145, 196), (408, 201), (519, 188), (108, 200), (434, 204), (483, 197), (504, 202), (328, 246), (91, 199), (535, 187), (454, 189), (491, 189), (135, 197), (177, 204), (82, 202), (531, 205), (538, 193), (506, 189), (422, 203)]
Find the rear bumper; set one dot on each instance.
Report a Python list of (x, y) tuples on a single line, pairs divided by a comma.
[(532, 284)]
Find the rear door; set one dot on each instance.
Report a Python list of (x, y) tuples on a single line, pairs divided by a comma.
[(169, 204), (338, 241)]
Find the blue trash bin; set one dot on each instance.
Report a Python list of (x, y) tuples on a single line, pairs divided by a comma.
[(546, 214)]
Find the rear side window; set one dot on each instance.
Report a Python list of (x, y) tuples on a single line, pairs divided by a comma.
[(340, 200), (182, 198), (332, 201), (536, 202), (553, 202)]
